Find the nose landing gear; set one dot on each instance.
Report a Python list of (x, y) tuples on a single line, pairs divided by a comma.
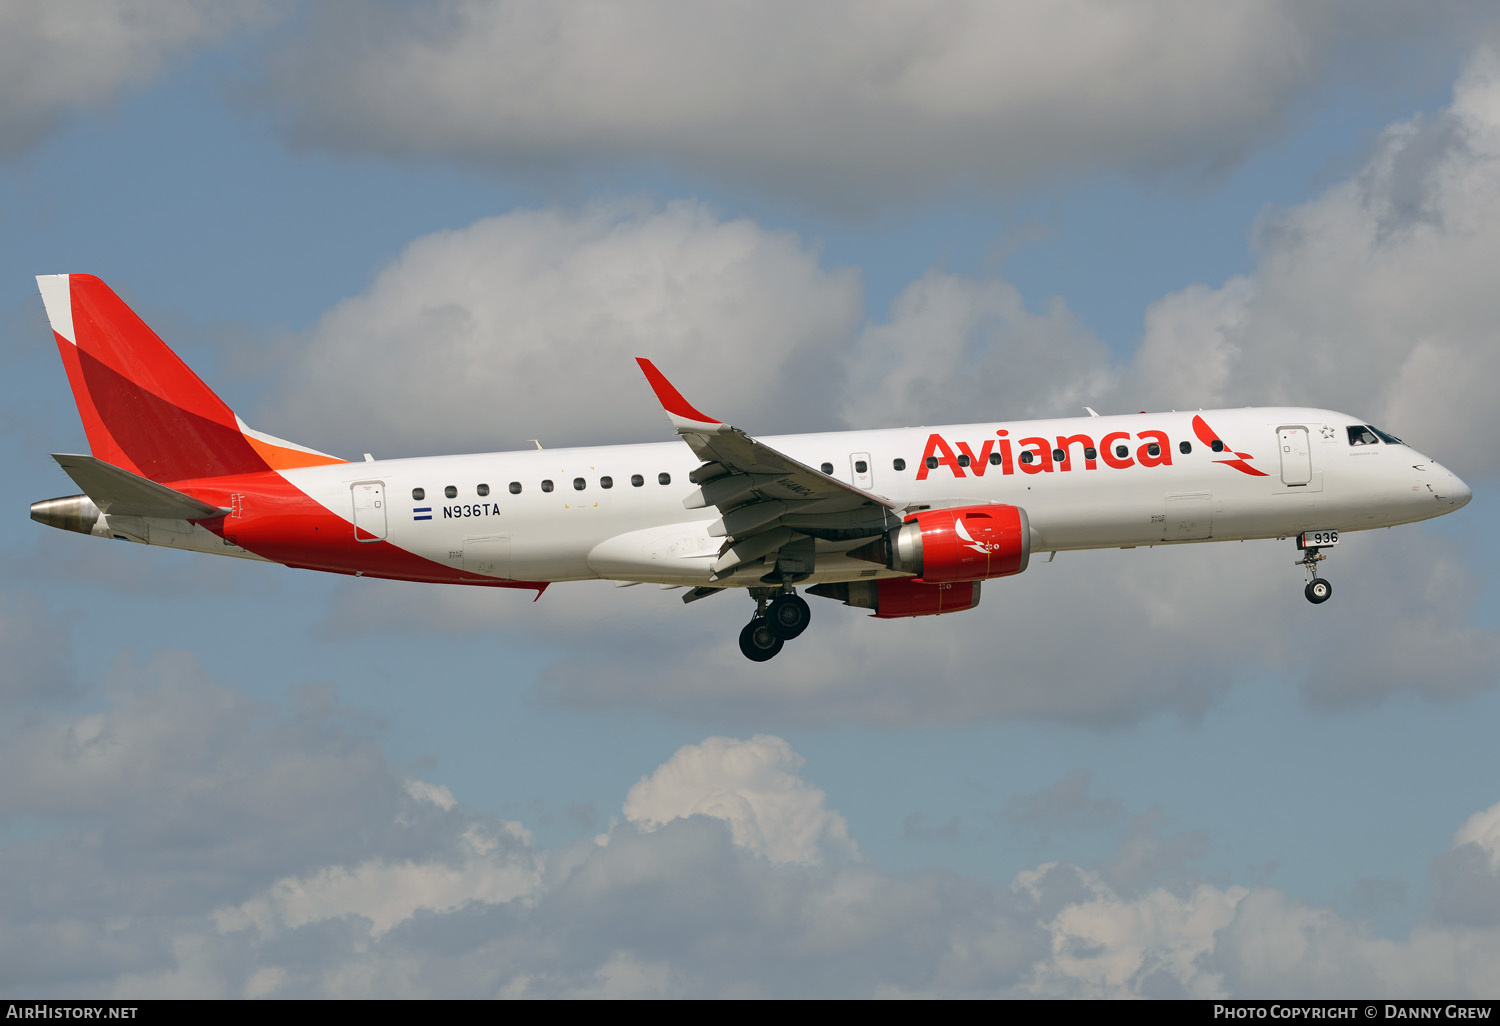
[(1318, 590), (780, 616)]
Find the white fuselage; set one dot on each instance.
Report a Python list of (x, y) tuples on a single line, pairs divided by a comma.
[(1282, 471)]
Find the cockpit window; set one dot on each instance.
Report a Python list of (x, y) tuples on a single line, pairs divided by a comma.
[(1387, 438), (1361, 435)]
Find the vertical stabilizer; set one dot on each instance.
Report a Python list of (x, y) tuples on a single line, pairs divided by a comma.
[(143, 409)]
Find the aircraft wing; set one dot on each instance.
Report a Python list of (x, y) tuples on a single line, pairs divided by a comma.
[(770, 504), (122, 493)]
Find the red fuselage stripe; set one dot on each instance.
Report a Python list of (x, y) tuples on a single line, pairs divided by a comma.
[(276, 520)]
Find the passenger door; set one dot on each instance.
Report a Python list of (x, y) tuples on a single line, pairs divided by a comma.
[(1296, 457), (369, 510)]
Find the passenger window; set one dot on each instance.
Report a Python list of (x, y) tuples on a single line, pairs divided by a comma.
[(1216, 445), (963, 459), (419, 494), (1184, 447), (1360, 435), (483, 489), (451, 491), (898, 464), (665, 479), (1028, 456), (861, 467), (578, 484), (637, 480), (1122, 451), (994, 459), (546, 486), (932, 463), (606, 482), (515, 488), (1090, 453), (1058, 455), (1153, 449), (827, 468)]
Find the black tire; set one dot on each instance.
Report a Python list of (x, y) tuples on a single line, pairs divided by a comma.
[(1318, 590), (758, 641), (788, 616)]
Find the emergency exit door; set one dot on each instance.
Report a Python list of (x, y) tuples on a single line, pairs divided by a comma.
[(860, 471)]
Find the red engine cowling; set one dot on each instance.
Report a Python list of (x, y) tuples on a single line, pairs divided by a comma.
[(966, 543), (919, 598), (903, 597)]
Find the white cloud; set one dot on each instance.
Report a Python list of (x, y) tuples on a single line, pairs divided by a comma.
[(753, 786), (57, 58), (1482, 829), (1104, 946), (1279, 947), (1189, 346), (956, 350), (1374, 298), (528, 324), (846, 100), (437, 794), (722, 885), (492, 867)]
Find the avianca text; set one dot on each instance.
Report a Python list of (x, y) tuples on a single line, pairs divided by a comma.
[(1037, 455)]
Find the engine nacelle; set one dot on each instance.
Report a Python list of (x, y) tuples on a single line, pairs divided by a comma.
[(966, 543), (902, 597)]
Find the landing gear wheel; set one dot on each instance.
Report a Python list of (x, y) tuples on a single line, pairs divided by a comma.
[(1318, 590), (758, 641), (788, 616)]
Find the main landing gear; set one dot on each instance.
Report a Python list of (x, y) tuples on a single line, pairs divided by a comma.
[(1318, 590), (780, 615)]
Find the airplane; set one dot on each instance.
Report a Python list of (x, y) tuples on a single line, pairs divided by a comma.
[(903, 522)]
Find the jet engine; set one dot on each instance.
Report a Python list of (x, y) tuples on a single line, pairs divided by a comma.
[(902, 597), (965, 543)]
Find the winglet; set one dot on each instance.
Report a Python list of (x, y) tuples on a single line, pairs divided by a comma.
[(684, 416)]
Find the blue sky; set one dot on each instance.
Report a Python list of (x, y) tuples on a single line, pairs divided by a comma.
[(427, 228)]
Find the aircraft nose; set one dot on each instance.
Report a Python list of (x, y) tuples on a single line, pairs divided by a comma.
[(1458, 492)]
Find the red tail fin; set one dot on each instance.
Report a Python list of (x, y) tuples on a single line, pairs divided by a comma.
[(142, 408)]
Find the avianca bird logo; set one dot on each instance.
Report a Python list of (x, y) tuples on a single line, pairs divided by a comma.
[(968, 539), (1208, 437)]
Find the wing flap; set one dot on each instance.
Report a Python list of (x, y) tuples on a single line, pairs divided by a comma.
[(121, 493)]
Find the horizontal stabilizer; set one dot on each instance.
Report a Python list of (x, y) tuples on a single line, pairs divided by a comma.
[(125, 494)]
